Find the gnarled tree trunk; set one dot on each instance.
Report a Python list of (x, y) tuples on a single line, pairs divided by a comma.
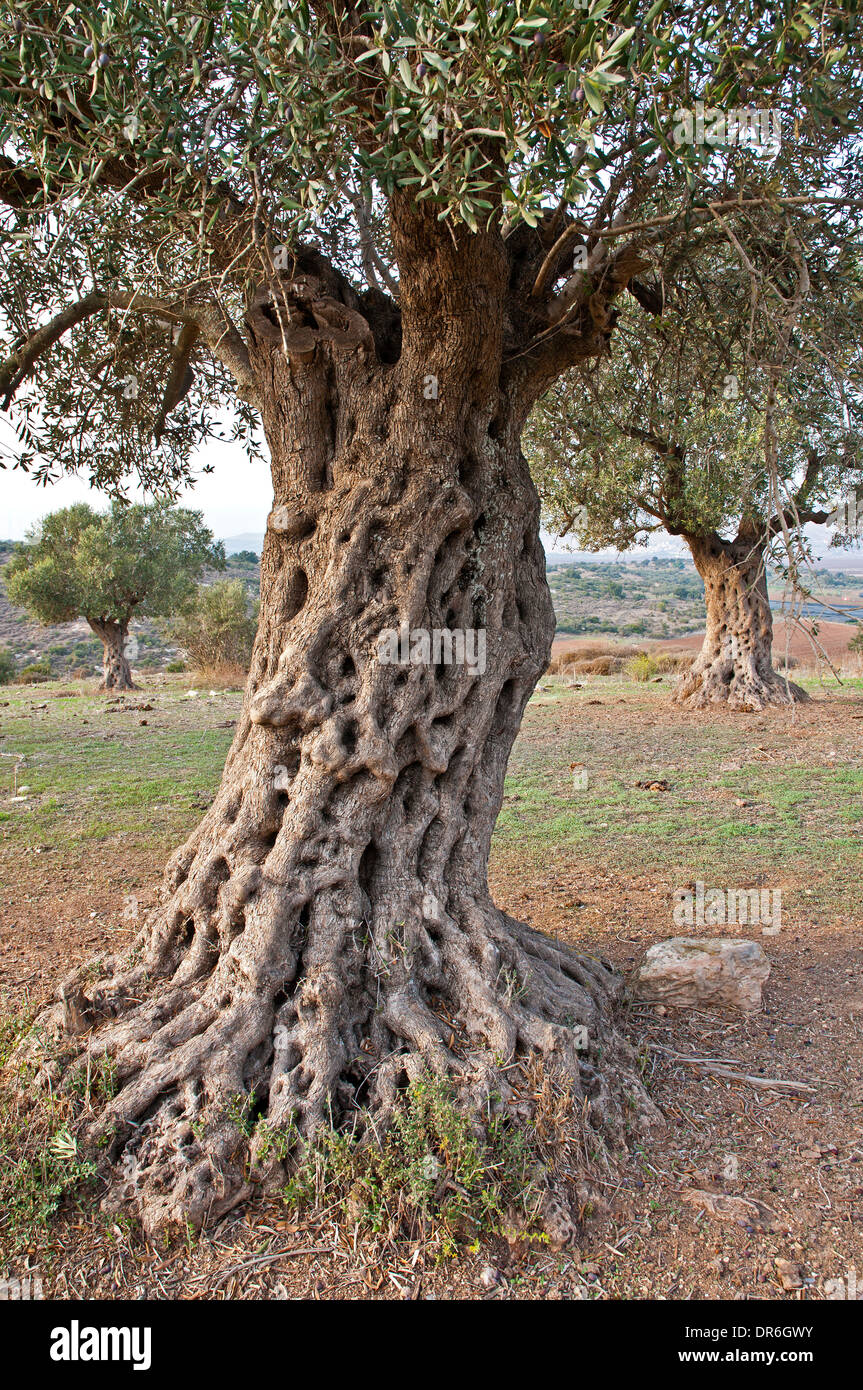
[(327, 931), (116, 671), (735, 666)]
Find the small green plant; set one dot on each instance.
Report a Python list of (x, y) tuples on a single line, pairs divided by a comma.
[(35, 673), (641, 667), (240, 1111), (41, 1162), (95, 1080), (39, 1171), (271, 1143), (513, 987), (7, 666), (13, 1026), (431, 1176)]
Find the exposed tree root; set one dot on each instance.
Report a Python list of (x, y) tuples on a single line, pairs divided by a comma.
[(737, 684), (189, 1052)]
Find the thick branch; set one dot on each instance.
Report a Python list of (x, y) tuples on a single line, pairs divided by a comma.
[(222, 338), (546, 275), (797, 517), (810, 478), (21, 362), (581, 318), (181, 378)]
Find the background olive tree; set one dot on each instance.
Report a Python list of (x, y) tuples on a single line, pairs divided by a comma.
[(733, 430), (133, 561)]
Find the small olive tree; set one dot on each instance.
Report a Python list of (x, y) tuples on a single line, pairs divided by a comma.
[(108, 567)]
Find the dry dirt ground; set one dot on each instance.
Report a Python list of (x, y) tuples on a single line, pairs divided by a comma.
[(773, 799)]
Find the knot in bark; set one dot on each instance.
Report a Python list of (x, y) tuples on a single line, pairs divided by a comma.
[(299, 317)]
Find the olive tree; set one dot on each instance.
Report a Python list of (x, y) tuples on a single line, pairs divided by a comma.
[(733, 432), (135, 561), (380, 232)]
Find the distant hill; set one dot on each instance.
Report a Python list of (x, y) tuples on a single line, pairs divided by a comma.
[(651, 596), (662, 598), (249, 540)]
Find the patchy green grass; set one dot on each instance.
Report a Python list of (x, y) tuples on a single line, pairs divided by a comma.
[(749, 798), (94, 775)]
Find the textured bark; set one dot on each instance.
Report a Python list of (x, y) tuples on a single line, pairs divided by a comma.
[(116, 671), (327, 932), (735, 666)]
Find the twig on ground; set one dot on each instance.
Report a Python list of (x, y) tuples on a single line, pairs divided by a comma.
[(719, 1067)]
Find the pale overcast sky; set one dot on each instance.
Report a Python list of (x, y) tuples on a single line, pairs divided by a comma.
[(234, 498)]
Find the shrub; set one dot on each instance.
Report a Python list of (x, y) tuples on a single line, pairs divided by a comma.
[(228, 675), (7, 666), (574, 659), (217, 628), (856, 643), (642, 667), (598, 666), (34, 673), (674, 662)]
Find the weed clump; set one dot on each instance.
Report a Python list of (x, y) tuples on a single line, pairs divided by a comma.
[(642, 667), (42, 1164), (435, 1177)]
